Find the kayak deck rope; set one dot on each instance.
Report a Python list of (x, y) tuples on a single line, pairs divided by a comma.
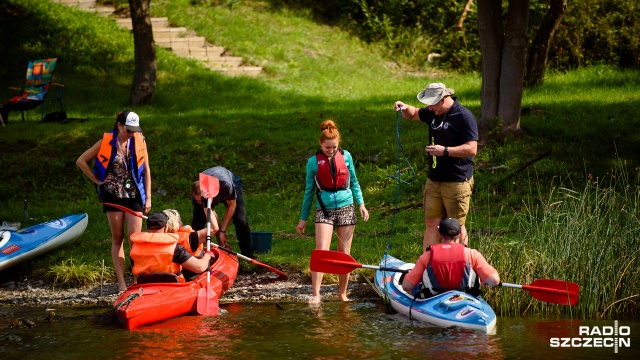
[(129, 299)]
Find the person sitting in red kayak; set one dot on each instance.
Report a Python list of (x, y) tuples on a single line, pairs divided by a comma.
[(190, 239), (449, 265), (159, 257)]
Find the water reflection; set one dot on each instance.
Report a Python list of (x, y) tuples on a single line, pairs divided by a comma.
[(333, 330)]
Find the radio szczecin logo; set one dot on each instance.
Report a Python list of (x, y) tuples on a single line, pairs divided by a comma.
[(597, 337)]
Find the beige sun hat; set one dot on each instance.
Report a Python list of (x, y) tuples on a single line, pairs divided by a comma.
[(433, 93)]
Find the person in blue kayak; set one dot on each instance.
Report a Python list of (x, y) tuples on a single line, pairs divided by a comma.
[(449, 265), (123, 176), (332, 177), (160, 256), (230, 194)]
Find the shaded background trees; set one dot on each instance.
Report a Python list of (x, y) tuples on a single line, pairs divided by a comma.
[(507, 41), (590, 32)]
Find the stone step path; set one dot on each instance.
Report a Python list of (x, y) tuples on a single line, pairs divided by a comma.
[(181, 41)]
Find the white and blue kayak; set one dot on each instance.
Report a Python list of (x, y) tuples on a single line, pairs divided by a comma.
[(17, 246), (452, 308)]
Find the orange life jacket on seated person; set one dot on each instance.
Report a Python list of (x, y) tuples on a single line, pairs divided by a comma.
[(183, 239), (153, 253)]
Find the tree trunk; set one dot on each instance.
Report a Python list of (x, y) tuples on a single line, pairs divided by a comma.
[(539, 51), (491, 42), (513, 66), (143, 89)]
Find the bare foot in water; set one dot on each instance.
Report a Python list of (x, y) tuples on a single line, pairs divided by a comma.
[(343, 297), (314, 299)]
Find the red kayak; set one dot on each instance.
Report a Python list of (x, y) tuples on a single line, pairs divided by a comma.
[(148, 303)]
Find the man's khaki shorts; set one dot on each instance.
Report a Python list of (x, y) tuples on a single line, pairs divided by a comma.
[(447, 199)]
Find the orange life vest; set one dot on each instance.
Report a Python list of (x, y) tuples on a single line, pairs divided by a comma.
[(108, 151), (183, 239), (153, 253)]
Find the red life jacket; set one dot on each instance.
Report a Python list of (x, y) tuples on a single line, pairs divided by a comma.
[(332, 175), (448, 269), (153, 253)]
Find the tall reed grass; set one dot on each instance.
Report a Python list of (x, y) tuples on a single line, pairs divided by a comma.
[(590, 237)]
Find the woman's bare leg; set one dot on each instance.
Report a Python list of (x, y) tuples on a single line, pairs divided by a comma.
[(345, 237), (324, 232), (116, 224)]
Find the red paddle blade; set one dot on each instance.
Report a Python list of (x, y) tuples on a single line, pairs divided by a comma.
[(207, 304), (209, 185), (333, 262), (554, 291)]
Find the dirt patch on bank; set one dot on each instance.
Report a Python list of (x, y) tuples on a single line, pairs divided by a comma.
[(248, 287)]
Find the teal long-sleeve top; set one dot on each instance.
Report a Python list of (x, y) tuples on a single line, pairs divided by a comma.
[(331, 200)]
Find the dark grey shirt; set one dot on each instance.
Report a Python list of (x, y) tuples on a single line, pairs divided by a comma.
[(228, 182)]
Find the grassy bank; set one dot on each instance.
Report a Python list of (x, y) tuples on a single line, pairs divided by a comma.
[(583, 127)]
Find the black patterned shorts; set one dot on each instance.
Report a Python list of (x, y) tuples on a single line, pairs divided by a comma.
[(344, 216)]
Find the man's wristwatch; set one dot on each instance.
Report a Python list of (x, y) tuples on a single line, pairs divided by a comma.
[(446, 151), (222, 231)]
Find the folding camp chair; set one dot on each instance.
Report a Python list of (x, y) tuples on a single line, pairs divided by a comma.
[(35, 89)]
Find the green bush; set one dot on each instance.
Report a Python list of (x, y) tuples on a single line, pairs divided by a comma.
[(598, 32)]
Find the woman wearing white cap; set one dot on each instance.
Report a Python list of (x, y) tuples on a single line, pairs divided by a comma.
[(123, 177)]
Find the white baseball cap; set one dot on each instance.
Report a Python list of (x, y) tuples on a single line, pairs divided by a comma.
[(131, 120)]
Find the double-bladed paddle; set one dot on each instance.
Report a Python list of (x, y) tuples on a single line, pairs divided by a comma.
[(547, 290), (335, 262), (552, 291), (281, 275)]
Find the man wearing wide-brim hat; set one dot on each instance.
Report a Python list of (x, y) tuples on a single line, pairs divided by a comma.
[(452, 144)]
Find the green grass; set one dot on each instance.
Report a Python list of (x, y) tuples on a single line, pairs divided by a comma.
[(265, 129), (70, 273), (589, 236)]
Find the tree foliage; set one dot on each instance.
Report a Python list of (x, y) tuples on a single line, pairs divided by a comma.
[(591, 31)]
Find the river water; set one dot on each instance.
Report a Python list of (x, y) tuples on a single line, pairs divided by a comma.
[(356, 330)]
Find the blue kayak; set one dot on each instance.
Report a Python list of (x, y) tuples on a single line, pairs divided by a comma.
[(17, 246), (452, 308)]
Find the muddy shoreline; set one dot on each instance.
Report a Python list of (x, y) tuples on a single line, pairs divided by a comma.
[(248, 287)]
